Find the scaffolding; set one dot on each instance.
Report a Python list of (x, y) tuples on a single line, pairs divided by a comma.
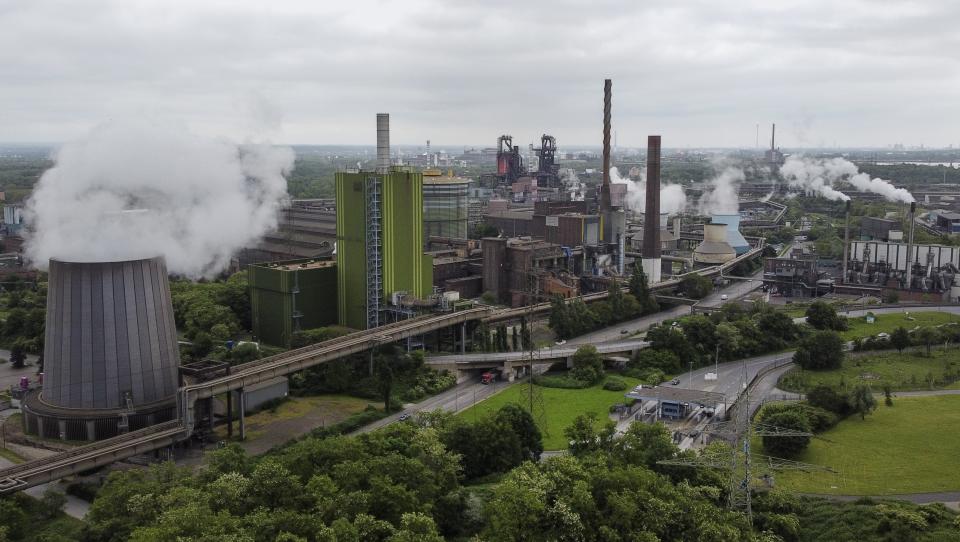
[(373, 249)]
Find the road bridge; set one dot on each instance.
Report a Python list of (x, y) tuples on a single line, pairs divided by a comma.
[(508, 360)]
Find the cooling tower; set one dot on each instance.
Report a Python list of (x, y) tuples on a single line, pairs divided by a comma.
[(734, 237), (714, 250), (110, 355)]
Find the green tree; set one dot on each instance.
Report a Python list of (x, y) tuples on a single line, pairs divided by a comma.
[(522, 424), (696, 286), (786, 446), (654, 358), (588, 434), (887, 395), (820, 350), (384, 374), (828, 398), (926, 336), (587, 364), (823, 316), (900, 339), (18, 355), (862, 401), (640, 289)]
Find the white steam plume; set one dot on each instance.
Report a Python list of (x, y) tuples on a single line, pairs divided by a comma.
[(721, 193), (141, 188), (818, 177), (673, 199), (810, 177)]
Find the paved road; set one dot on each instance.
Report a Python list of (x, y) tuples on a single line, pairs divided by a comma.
[(74, 507), (548, 354), (460, 397)]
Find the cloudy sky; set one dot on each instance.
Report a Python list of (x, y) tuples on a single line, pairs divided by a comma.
[(701, 73)]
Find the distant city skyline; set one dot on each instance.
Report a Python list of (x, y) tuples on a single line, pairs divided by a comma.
[(701, 74)]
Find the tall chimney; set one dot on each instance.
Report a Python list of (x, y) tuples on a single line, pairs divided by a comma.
[(383, 142), (773, 137), (913, 209), (846, 242), (651, 218), (605, 187)]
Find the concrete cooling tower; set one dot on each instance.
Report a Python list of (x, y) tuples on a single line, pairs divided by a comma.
[(715, 249), (110, 355)]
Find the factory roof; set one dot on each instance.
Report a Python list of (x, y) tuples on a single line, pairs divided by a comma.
[(516, 215), (950, 215)]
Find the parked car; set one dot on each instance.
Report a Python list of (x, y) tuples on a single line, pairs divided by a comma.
[(675, 381)]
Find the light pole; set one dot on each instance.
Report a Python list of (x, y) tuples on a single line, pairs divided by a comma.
[(716, 363), (690, 377)]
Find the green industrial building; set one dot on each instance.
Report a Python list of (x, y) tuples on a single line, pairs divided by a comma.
[(379, 244), (290, 296)]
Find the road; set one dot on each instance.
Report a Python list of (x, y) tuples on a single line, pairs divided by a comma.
[(74, 506)]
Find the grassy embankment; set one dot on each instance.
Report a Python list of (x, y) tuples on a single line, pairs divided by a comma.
[(910, 447), (560, 406)]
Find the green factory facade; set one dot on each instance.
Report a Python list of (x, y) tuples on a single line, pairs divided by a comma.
[(289, 296), (379, 243)]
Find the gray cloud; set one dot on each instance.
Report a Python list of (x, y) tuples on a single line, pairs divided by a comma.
[(701, 73)]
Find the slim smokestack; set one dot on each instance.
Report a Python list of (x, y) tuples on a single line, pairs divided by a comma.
[(651, 219), (913, 209), (773, 137), (383, 142), (605, 187), (846, 242)]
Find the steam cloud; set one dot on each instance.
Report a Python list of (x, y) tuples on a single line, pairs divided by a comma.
[(720, 194), (673, 199), (136, 189), (816, 178)]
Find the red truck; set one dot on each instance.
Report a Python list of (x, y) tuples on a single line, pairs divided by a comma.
[(488, 377)]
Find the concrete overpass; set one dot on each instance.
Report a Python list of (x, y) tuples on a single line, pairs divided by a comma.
[(507, 362)]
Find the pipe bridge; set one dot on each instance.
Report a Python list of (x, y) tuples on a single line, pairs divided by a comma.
[(98, 454)]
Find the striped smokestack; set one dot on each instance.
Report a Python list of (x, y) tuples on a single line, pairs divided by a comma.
[(605, 187), (383, 142)]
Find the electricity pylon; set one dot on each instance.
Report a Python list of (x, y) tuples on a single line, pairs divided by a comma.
[(740, 463)]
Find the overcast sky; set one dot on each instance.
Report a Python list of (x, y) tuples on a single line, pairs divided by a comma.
[(701, 73)]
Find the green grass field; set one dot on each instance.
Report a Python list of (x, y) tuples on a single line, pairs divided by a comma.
[(910, 447), (907, 371), (561, 406), (886, 323)]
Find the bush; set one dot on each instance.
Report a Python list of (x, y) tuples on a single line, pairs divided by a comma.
[(565, 381), (587, 364), (820, 350), (83, 490), (614, 384), (829, 399)]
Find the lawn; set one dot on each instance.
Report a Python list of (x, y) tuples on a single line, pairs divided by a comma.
[(910, 447), (907, 371), (886, 323), (561, 406), (298, 415)]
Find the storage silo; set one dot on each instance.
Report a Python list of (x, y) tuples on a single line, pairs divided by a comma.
[(111, 355)]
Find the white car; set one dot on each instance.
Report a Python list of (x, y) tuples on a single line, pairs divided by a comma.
[(724, 297)]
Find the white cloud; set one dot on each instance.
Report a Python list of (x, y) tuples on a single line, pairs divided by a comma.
[(698, 72)]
